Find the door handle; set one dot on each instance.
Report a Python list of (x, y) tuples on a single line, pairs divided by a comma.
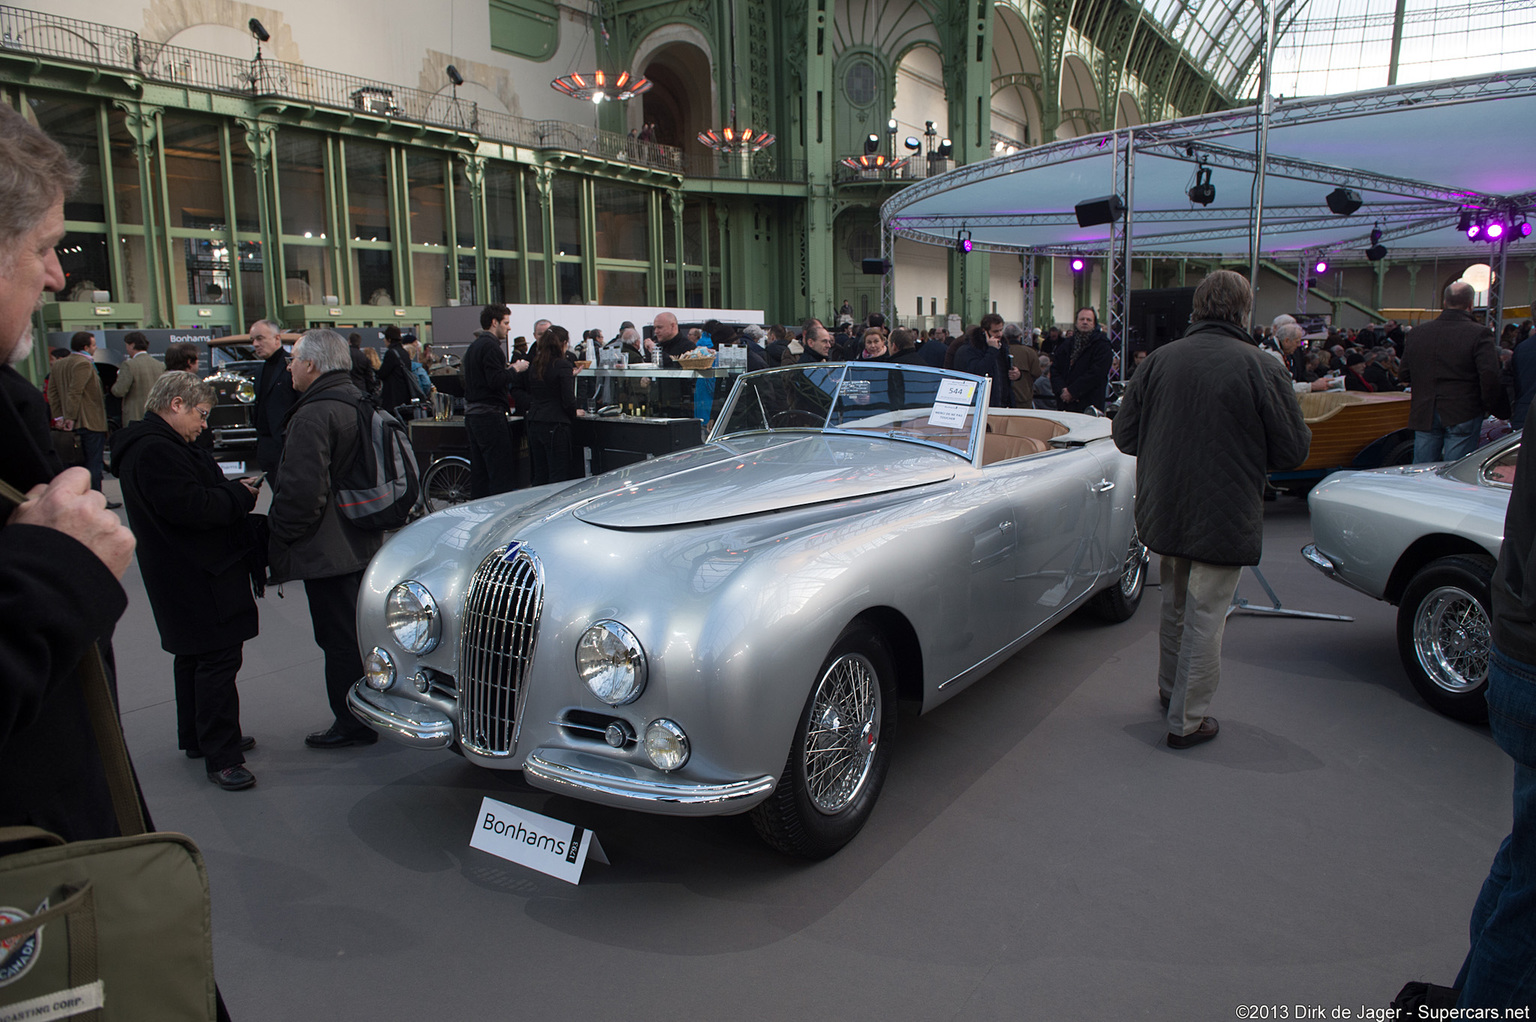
[(1103, 486)]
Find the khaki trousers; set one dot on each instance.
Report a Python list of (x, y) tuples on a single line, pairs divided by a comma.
[(1195, 601)]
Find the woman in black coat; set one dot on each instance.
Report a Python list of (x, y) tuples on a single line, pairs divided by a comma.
[(552, 409), (194, 545), (980, 357), (395, 373)]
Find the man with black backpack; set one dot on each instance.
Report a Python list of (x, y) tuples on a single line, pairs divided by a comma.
[(313, 539)]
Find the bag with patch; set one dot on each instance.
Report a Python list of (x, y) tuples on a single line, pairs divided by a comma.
[(115, 929), (379, 490)]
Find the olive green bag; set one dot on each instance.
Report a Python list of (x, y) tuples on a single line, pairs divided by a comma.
[(111, 930)]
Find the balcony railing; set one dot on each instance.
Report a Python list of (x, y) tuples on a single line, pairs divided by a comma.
[(88, 43)]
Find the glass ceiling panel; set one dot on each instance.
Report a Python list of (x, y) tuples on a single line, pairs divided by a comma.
[(1328, 47)]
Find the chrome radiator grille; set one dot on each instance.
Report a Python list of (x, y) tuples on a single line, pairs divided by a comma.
[(500, 626)]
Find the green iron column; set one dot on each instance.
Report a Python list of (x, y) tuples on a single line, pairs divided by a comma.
[(968, 81), (819, 157), (142, 124)]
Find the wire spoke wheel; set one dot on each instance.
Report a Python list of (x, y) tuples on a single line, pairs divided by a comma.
[(844, 733), (446, 483), (1135, 568), (1451, 639)]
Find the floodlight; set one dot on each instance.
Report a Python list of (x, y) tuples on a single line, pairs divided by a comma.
[(1521, 229), (871, 144), (1343, 201), (1376, 253), (1321, 267), (946, 149), (964, 244), (1475, 232), (1464, 223), (890, 125), (454, 76), (1495, 230), (259, 31), (1203, 191), (1077, 264)]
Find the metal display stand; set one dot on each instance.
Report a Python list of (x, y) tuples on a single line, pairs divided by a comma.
[(1241, 606)]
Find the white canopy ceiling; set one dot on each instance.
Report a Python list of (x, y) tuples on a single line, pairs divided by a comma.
[(1418, 157)]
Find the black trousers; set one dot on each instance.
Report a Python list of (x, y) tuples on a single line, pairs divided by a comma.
[(208, 705), (492, 457), (333, 613), (94, 445), (550, 457)]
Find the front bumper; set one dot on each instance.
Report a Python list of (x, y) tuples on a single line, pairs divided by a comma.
[(405, 720), (1320, 561), (596, 779)]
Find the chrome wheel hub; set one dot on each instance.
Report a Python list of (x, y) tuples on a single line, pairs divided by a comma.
[(843, 734), (1451, 639)]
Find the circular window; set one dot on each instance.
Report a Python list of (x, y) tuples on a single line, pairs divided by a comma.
[(863, 243), (860, 83)]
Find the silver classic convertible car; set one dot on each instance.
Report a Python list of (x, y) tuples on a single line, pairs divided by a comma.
[(729, 628)]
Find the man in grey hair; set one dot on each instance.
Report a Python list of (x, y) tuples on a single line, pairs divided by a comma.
[(311, 539), (1452, 367), (1207, 419)]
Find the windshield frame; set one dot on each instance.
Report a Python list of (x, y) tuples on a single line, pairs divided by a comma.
[(747, 389)]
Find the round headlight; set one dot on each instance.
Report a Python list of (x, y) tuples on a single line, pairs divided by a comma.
[(245, 393), (378, 669), (611, 663), (411, 616), (666, 744)]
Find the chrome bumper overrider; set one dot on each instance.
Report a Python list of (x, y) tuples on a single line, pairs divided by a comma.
[(1318, 560), (405, 720), (593, 779)]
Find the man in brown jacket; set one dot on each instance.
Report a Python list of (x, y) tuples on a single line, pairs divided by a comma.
[(1453, 369), (136, 376), (74, 396)]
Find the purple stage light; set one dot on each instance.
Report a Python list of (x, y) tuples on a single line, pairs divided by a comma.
[(1321, 267), (1523, 228), (966, 244), (1495, 231), (1474, 232), (1077, 266)]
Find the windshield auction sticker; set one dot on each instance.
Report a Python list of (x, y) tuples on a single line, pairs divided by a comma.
[(950, 416), (957, 392), (550, 846)]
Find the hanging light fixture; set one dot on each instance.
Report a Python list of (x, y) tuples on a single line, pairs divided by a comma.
[(732, 139), (871, 161), (601, 87)]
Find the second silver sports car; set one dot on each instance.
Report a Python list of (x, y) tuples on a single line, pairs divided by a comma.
[(729, 628), (1425, 538)]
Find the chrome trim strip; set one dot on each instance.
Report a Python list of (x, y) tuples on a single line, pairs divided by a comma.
[(668, 797), (404, 720)]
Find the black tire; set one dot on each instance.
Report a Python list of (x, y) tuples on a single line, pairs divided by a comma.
[(1119, 602), (1443, 635), (1400, 454), (446, 483), (814, 812)]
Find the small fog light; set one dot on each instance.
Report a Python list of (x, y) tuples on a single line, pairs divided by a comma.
[(618, 734), (666, 744), (378, 669), (419, 679)]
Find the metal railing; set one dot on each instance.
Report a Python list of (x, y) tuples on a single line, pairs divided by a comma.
[(88, 43)]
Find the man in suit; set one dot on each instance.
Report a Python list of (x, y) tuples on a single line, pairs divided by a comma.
[(1452, 367), (138, 374), (74, 394), (274, 396)]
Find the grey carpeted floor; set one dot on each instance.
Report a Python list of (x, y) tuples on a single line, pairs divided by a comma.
[(1037, 852)]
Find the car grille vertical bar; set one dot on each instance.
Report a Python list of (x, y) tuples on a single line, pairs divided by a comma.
[(500, 628)]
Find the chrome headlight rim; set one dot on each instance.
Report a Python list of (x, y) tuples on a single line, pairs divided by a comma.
[(379, 670), (426, 607), (658, 734), (616, 678)]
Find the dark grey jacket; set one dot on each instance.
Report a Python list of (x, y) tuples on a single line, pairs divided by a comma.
[(1452, 367), (1208, 417), (310, 537), (1513, 590)]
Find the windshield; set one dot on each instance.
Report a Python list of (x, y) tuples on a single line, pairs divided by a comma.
[(901, 402)]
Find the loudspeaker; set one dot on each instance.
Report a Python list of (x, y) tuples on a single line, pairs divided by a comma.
[(877, 267), (1104, 210), (1159, 315)]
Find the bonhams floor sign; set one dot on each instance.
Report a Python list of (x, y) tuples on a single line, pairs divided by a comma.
[(550, 846)]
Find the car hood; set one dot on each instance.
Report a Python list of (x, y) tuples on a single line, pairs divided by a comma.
[(755, 475)]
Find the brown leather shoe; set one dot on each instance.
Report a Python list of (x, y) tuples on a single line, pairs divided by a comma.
[(1204, 733)]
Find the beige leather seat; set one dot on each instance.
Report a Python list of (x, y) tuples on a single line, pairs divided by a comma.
[(1003, 447)]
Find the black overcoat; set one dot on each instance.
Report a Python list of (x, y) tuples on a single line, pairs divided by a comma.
[(194, 538)]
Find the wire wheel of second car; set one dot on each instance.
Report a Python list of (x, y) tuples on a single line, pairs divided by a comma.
[(445, 483), (844, 733), (1450, 636)]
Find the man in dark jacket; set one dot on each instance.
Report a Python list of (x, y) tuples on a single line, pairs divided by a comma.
[(1080, 365), (1497, 972), (274, 396), (61, 552), (194, 547), (311, 539), (1452, 368), (487, 382), (1207, 417)]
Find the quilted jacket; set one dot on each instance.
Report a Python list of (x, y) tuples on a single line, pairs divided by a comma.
[(1208, 417)]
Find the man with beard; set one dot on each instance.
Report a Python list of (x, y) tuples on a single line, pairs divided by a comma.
[(1080, 365)]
